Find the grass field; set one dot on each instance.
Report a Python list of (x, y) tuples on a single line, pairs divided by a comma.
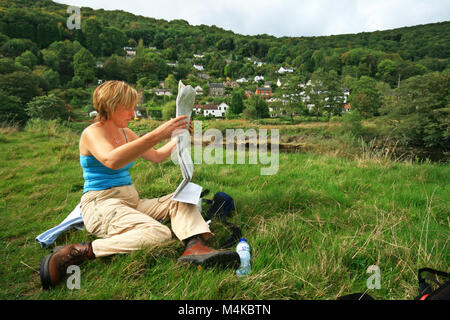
[(314, 227)]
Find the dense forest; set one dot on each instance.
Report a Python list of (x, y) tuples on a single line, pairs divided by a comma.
[(402, 74)]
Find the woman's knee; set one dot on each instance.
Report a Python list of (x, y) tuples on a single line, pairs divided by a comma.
[(156, 234)]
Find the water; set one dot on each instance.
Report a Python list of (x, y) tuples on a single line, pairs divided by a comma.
[(243, 249)]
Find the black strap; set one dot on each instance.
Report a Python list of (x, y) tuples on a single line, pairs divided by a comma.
[(204, 193), (424, 287), (433, 271), (126, 139), (236, 234)]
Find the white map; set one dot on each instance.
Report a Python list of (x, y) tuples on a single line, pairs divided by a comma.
[(187, 191)]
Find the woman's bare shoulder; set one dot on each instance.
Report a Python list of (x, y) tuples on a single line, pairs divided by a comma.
[(94, 130)]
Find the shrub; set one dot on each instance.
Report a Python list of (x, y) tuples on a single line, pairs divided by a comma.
[(421, 110), (47, 108), (351, 122), (169, 110), (12, 110)]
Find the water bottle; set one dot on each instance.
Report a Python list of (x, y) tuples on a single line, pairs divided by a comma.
[(243, 249)]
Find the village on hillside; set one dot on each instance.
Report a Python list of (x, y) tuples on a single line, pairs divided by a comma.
[(280, 90)]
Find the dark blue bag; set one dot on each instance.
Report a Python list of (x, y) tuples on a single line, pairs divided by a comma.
[(221, 207)]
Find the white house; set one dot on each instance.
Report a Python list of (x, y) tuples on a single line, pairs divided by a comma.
[(241, 80), (279, 83), (223, 107), (198, 90), (163, 92), (217, 111), (284, 70), (131, 53), (258, 78), (93, 114), (198, 56), (198, 67)]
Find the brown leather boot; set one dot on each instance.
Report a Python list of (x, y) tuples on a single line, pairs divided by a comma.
[(198, 253), (54, 266)]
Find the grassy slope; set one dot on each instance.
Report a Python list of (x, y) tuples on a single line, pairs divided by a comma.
[(314, 227)]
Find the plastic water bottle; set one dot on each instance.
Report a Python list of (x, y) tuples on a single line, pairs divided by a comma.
[(243, 249)]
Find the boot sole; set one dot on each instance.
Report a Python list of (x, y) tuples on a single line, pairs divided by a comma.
[(45, 272), (220, 259)]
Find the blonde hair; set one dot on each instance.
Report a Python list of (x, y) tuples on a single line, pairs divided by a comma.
[(110, 94)]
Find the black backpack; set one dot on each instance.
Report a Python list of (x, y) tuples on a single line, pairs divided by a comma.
[(221, 207), (426, 292)]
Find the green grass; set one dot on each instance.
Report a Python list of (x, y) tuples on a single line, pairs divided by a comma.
[(314, 227)]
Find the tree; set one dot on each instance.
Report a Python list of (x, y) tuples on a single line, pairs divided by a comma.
[(257, 108), (115, 38), (389, 72), (83, 65), (335, 98), (225, 44), (52, 77), (47, 107), (169, 110), (20, 84), (150, 65), (92, 29), (15, 47), (316, 93), (171, 83), (116, 68), (421, 107), (27, 59), (365, 97), (290, 96), (64, 52), (12, 110), (237, 104), (7, 65)]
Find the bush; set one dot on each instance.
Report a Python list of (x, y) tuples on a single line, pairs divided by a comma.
[(169, 110), (47, 108), (155, 112), (12, 110), (421, 110), (351, 122)]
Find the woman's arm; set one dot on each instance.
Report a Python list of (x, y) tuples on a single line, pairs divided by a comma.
[(152, 154), (157, 155), (115, 158)]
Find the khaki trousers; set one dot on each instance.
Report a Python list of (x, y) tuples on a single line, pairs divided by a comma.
[(123, 222)]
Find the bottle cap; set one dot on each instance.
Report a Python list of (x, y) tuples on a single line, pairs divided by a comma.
[(242, 240)]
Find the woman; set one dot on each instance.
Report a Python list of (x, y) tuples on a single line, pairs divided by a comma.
[(111, 207)]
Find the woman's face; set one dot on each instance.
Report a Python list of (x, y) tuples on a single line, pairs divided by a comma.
[(122, 116)]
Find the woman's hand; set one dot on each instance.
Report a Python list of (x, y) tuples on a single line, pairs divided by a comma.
[(170, 128), (191, 128)]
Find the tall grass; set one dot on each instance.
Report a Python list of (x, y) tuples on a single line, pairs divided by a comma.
[(314, 227)]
